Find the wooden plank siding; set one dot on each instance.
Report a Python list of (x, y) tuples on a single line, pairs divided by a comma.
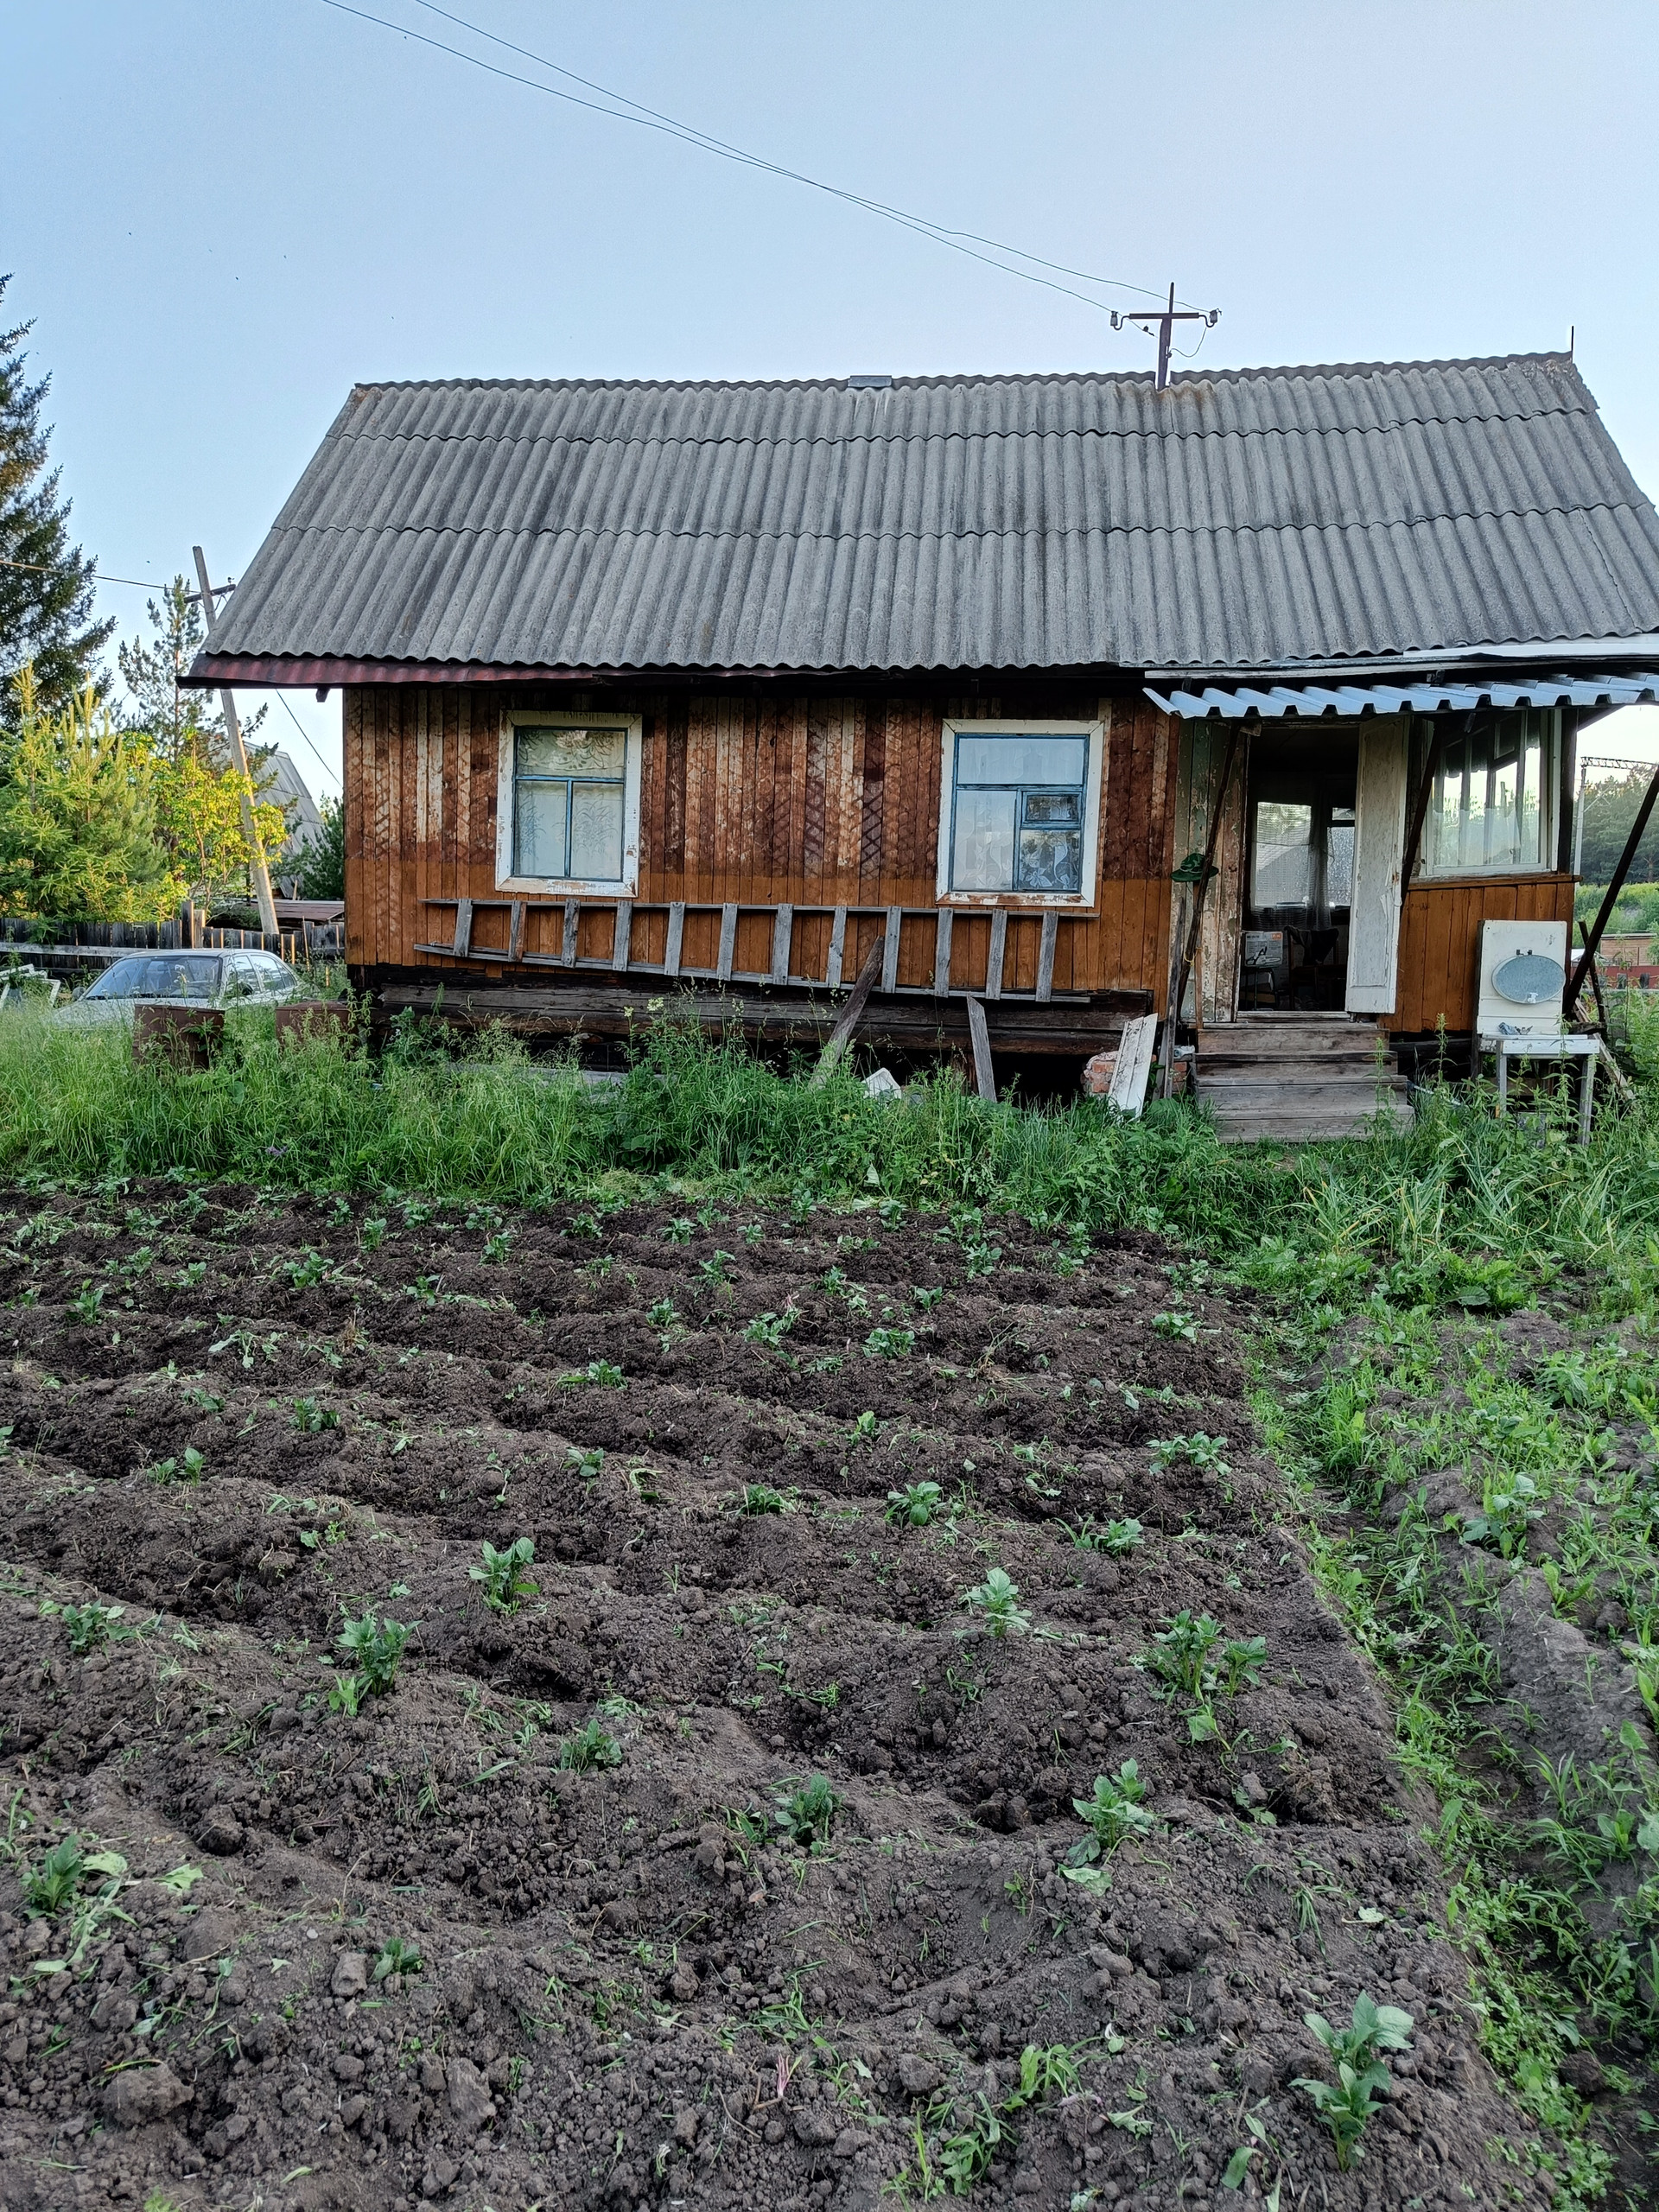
[(787, 796), (1440, 942)]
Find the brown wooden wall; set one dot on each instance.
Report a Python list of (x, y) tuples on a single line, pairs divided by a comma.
[(805, 797), (1440, 942)]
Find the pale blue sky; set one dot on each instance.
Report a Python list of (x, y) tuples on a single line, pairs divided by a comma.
[(221, 213)]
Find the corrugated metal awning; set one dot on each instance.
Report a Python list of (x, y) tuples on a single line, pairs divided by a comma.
[(1232, 701)]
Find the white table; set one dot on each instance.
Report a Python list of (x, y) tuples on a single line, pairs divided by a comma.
[(1584, 1050)]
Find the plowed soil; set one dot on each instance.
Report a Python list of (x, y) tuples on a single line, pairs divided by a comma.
[(634, 1987)]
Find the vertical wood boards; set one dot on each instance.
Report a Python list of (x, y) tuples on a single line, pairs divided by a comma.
[(984, 1077), (794, 796), (1440, 942), (1379, 850)]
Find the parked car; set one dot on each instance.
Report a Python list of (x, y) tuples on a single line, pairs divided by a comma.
[(203, 979)]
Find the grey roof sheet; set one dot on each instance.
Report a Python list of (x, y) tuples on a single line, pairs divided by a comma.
[(1250, 518)]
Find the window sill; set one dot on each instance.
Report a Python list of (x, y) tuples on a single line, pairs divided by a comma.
[(1022, 902), (1457, 878), (558, 887)]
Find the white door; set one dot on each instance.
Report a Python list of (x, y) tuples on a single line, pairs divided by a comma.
[(1379, 847)]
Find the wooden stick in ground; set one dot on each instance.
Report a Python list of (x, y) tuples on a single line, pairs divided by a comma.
[(848, 1020), (260, 872), (1615, 1073), (978, 1030)]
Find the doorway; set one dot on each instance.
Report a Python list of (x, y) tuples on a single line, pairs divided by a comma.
[(1300, 827)]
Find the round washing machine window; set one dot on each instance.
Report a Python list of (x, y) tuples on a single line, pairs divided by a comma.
[(1529, 978)]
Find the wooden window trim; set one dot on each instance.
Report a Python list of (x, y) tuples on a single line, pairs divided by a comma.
[(1084, 898), (623, 887)]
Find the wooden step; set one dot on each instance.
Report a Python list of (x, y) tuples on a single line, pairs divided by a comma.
[(1296, 1078)]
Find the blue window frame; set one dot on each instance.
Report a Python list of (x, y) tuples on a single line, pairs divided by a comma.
[(1017, 811)]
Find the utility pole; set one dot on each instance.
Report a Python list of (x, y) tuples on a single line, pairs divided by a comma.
[(1166, 319), (261, 873)]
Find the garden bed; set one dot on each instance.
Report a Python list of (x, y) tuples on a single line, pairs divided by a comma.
[(561, 1915)]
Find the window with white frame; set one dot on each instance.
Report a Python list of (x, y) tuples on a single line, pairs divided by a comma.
[(1491, 811), (1018, 809), (569, 802)]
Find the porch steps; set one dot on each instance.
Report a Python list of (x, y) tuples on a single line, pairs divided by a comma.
[(1296, 1076)]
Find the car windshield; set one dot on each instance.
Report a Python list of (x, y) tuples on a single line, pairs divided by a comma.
[(172, 976)]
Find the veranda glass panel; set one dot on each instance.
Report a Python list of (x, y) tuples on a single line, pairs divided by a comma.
[(1489, 811)]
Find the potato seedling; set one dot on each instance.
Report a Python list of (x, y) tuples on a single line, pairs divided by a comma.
[(864, 1429), (760, 1497), (1182, 1660), (424, 1291), (311, 1419), (889, 1343), (678, 1231), (167, 1470), (587, 1463), (89, 1626), (808, 1814), (86, 1303), (1115, 1538), (771, 1329), (55, 1882), (1198, 1451), (664, 1314), (1178, 1323), (593, 1747), (717, 1270), (376, 1646), (304, 1273), (506, 1583), (998, 1598), (915, 1506), (397, 1957), (1115, 1810), (372, 1235), (1348, 2108), (604, 1373), (927, 1299)]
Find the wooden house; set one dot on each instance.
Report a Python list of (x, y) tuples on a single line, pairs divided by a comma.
[(660, 689)]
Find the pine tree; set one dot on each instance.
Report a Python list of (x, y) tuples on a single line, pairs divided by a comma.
[(45, 604)]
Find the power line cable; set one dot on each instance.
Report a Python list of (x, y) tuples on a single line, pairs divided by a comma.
[(94, 575), (305, 734), (649, 119)]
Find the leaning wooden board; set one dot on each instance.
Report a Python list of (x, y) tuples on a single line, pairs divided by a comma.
[(1129, 1090)]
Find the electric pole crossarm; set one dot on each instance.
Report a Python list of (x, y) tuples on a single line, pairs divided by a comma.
[(240, 754)]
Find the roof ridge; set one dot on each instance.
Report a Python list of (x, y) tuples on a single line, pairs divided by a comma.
[(935, 379)]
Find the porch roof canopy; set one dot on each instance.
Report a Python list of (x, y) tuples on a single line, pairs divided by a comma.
[(1308, 702)]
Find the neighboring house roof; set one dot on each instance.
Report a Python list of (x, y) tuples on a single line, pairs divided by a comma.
[(282, 782), (1245, 520)]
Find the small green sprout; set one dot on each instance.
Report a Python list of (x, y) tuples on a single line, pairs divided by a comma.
[(889, 1343), (506, 1583), (864, 1429), (1362, 2076), (998, 1598), (85, 1305), (761, 1497), (1198, 1449), (678, 1231), (305, 1273), (593, 1748), (664, 1314), (311, 1419), (1115, 1538), (807, 1814), (771, 1329), (1116, 1810), (376, 1646), (1177, 1322), (587, 1462), (167, 1470), (927, 1299), (89, 1626), (399, 1958), (915, 1506), (1182, 1659)]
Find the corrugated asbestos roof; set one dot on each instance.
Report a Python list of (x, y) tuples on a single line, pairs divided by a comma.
[(1248, 519)]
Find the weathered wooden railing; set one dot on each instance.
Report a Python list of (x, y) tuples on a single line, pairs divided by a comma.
[(619, 960)]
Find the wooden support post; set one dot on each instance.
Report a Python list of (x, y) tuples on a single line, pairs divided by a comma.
[(998, 952), (1046, 957), (516, 932), (837, 949), (979, 1030), (783, 931), (1190, 951), (847, 1021), (675, 937), (942, 954), (890, 958), (1615, 1074), (463, 937), (622, 934), (257, 867), (572, 923), (727, 942)]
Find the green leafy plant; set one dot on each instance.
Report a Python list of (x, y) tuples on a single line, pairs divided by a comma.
[(998, 1598), (928, 1299), (1509, 1506), (85, 1305), (678, 1231), (591, 1748), (304, 1273), (1348, 2107), (375, 1645), (771, 1329), (864, 1429), (588, 1461), (1182, 1658), (1115, 1809), (915, 1506), (167, 1470), (1115, 1538), (808, 1814), (424, 1291), (604, 1373), (504, 1575), (311, 1419), (1178, 1323), (720, 1269), (89, 1626), (761, 1497), (1198, 1449), (372, 1235), (397, 1957), (664, 1314), (889, 1343)]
